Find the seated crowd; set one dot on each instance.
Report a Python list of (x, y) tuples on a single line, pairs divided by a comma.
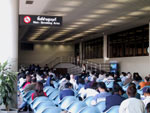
[(113, 88)]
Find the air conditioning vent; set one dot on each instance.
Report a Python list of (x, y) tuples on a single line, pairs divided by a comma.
[(29, 2)]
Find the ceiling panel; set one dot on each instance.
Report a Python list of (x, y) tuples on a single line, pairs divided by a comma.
[(83, 19)]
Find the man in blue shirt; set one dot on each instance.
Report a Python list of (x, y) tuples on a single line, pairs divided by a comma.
[(67, 91)]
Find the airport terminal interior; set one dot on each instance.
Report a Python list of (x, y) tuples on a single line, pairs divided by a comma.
[(97, 60)]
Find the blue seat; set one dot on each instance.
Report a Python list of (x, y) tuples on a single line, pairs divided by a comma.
[(113, 109), (28, 95), (52, 110), (89, 109), (42, 106), (56, 100), (125, 87), (50, 91), (88, 100), (67, 101), (109, 84), (54, 94), (38, 100), (120, 83), (76, 106), (101, 106), (55, 84), (46, 88)]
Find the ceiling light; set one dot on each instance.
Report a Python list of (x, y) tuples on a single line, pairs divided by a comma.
[(123, 18), (115, 21), (80, 23), (123, 1), (110, 6), (72, 3), (106, 24), (136, 13), (92, 16), (65, 9), (86, 19), (101, 11), (146, 8)]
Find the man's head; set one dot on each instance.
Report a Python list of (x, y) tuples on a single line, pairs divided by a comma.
[(131, 91), (68, 85), (117, 89), (146, 79)]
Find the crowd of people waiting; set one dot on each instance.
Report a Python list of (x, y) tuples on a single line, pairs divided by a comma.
[(90, 84)]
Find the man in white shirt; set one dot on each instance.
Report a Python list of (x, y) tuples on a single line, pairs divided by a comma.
[(132, 104)]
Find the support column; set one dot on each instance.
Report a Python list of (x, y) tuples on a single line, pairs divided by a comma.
[(80, 51), (149, 47), (9, 34), (104, 48)]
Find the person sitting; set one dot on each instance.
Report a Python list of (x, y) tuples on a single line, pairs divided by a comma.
[(116, 98), (28, 81), (128, 79), (73, 81), (63, 82), (67, 91), (146, 92), (145, 82), (38, 91), (87, 92), (102, 95), (148, 108), (30, 86), (138, 96), (132, 104)]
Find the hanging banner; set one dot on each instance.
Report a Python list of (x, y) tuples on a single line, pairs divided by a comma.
[(40, 20)]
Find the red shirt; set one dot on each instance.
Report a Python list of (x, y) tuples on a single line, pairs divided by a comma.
[(26, 84), (32, 96)]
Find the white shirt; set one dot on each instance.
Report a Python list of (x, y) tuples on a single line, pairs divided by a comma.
[(21, 81), (87, 92), (132, 105), (146, 100)]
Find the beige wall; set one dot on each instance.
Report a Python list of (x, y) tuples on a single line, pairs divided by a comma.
[(131, 64), (44, 53)]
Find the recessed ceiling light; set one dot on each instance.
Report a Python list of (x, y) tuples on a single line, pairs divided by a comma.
[(146, 8), (123, 1), (136, 13), (72, 3), (65, 9), (115, 21), (92, 16), (86, 19), (110, 6), (101, 11)]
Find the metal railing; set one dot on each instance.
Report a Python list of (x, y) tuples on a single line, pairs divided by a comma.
[(91, 66)]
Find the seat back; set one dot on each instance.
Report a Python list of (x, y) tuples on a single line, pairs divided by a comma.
[(38, 100), (76, 106), (54, 94), (101, 106), (90, 109), (52, 110), (43, 105), (88, 100), (113, 109), (67, 101)]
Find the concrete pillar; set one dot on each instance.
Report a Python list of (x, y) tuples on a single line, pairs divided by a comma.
[(80, 51), (105, 48), (9, 34), (149, 48)]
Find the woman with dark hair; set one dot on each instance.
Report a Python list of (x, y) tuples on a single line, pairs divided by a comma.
[(102, 95), (38, 91)]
